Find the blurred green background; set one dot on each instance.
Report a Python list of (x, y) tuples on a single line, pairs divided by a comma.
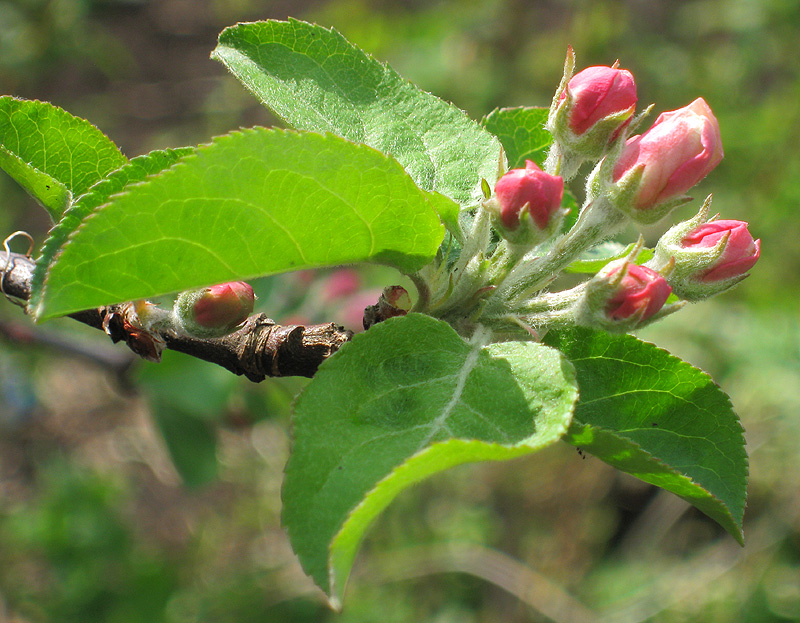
[(141, 492)]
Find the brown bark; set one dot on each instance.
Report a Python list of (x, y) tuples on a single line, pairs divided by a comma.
[(260, 348)]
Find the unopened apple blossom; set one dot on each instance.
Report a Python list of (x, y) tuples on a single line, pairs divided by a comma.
[(505, 273)]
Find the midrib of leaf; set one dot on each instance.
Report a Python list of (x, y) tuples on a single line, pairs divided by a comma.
[(251, 203), (439, 424), (478, 341)]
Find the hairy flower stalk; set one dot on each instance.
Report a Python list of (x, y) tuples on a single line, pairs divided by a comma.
[(514, 250)]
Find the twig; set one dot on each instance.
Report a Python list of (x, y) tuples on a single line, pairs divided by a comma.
[(259, 349)]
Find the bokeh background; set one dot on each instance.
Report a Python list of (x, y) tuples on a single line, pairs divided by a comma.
[(139, 492)]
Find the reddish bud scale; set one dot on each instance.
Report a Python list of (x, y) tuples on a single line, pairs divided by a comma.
[(740, 254), (641, 291), (528, 189)]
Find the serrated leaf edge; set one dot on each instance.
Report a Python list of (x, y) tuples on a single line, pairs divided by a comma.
[(37, 308), (476, 193), (55, 242), (738, 535), (66, 114)]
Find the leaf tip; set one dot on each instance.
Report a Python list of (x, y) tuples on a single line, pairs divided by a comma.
[(335, 603)]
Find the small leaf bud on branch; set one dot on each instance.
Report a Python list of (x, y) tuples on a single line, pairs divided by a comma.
[(214, 311)]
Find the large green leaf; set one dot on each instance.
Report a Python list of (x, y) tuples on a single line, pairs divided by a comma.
[(521, 131), (652, 415), (249, 204), (51, 154), (135, 171), (403, 401), (316, 80)]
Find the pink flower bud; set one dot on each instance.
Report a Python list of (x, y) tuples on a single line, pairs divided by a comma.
[(528, 189), (641, 291), (597, 93), (624, 296), (739, 254), (214, 311), (679, 150)]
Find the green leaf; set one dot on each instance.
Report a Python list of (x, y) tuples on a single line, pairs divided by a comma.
[(401, 402), (658, 418), (51, 154), (135, 171), (316, 80), (448, 212), (249, 204), (598, 256), (521, 131)]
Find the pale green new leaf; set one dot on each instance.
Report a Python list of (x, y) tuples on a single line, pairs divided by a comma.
[(401, 402), (51, 154), (648, 413), (249, 204), (317, 80)]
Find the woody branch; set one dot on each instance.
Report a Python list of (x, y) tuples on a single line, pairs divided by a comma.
[(259, 349)]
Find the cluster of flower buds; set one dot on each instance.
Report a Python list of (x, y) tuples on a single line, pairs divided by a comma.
[(503, 279), (214, 311)]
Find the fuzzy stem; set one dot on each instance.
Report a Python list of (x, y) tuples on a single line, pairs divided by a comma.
[(597, 222), (423, 292)]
